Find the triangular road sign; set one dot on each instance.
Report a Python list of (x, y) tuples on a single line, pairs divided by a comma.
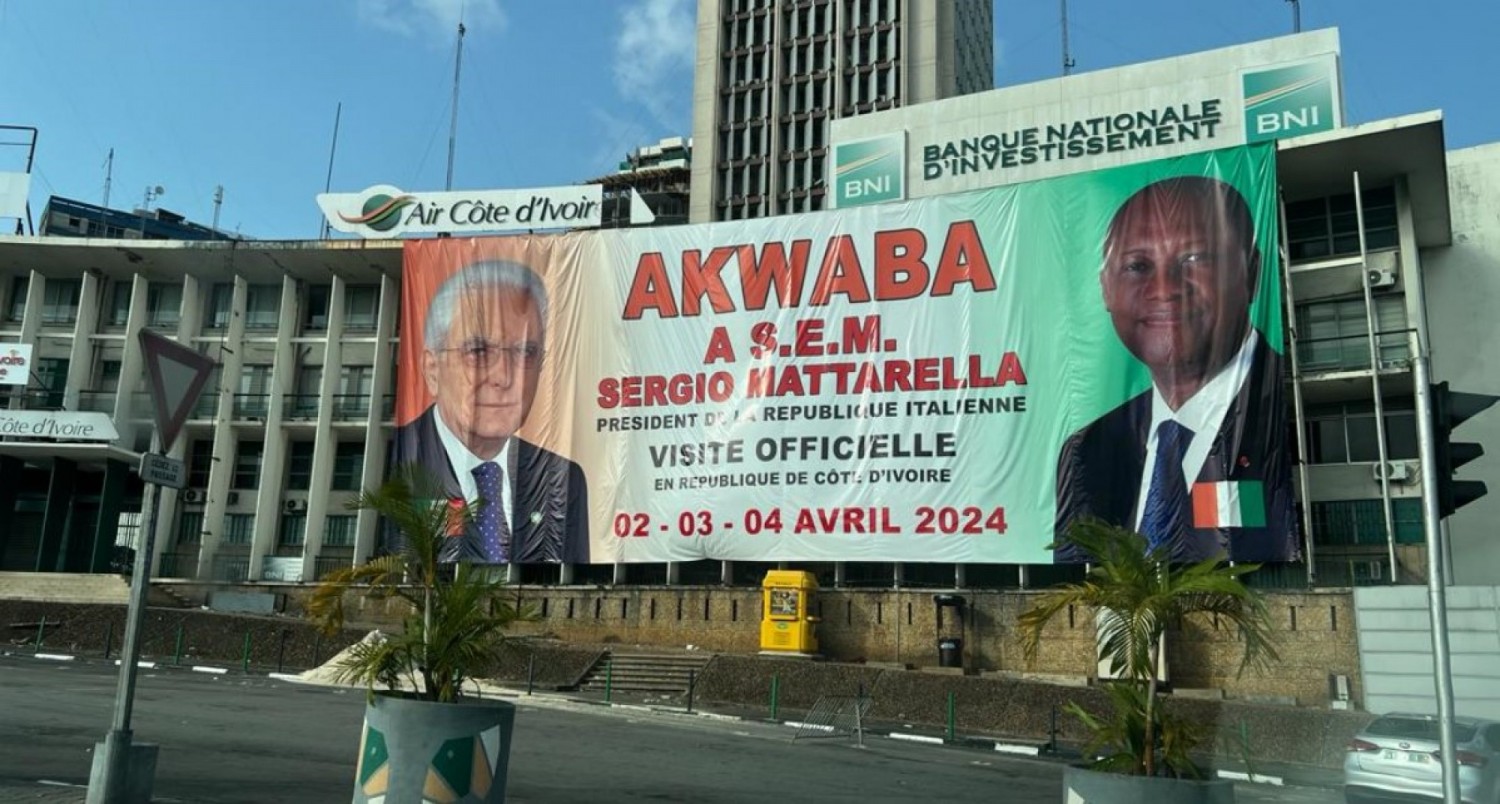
[(176, 375)]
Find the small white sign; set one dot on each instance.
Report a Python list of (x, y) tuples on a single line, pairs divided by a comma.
[(58, 425), (15, 188), (282, 568), (386, 211), (15, 363), (162, 471)]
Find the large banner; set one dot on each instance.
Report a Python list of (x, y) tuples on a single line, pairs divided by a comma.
[(956, 379)]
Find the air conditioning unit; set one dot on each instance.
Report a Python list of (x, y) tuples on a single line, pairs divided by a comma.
[(1381, 278), (1394, 471), (194, 495), (293, 506)]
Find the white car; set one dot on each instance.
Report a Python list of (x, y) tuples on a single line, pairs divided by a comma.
[(1396, 758)]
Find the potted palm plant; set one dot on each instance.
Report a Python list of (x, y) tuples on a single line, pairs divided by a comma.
[(423, 737), (1143, 748)]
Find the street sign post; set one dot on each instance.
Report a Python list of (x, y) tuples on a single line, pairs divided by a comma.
[(123, 773), (162, 471)]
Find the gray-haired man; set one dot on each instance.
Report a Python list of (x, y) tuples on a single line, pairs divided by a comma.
[(483, 346)]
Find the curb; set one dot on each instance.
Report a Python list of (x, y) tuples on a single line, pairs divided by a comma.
[(1253, 778), (53, 657), (141, 665), (218, 671)]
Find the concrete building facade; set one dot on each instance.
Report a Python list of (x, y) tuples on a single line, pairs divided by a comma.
[(771, 76)]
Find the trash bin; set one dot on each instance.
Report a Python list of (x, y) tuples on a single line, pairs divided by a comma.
[(950, 652)]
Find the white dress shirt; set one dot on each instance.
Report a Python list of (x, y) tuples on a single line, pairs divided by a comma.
[(1203, 413), (465, 462)]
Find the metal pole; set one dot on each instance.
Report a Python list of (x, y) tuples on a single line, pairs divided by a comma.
[(692, 682), (530, 673), (775, 694), (1285, 267), (952, 713), (41, 635), (1381, 454), (245, 655), (1437, 603), (609, 678), (333, 149), (112, 786), (109, 639), (1296, 16), (458, 63)]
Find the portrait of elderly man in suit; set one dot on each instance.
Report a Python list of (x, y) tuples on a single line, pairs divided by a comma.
[(1198, 463), (484, 344)]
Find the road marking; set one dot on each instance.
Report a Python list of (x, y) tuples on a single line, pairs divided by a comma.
[(1023, 750), (218, 671), (142, 665), (916, 738), (54, 657), (1254, 778)]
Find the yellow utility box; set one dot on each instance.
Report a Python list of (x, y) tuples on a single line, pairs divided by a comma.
[(786, 626)]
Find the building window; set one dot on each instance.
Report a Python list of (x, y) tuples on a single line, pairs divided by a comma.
[(18, 289), (190, 527), (200, 461), (338, 530), (262, 303), (315, 315), (164, 305), (299, 466), (1346, 433), (109, 376), (356, 384), (361, 304), (348, 463), (1362, 522), (1319, 228), (254, 395), (247, 464), (293, 530), (60, 301), (1334, 335), (239, 528), (119, 304), (220, 305)]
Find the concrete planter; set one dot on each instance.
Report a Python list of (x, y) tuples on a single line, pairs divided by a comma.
[(415, 750), (1081, 786)]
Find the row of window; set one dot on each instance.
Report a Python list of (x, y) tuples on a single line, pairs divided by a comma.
[(348, 465), (338, 529), (164, 304)]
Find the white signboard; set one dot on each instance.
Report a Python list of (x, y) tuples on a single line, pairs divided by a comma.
[(58, 425), (385, 211), (287, 569), (14, 189), (15, 363)]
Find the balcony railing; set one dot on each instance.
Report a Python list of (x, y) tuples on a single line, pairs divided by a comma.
[(231, 567), (325, 564), (301, 406), (348, 407), (97, 401), (251, 405), (388, 407), (179, 564), (1352, 352), (37, 399)]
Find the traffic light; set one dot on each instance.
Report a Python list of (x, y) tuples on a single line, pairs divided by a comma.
[(1449, 410)]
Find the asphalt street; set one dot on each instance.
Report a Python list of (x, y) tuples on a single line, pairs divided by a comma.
[(233, 738)]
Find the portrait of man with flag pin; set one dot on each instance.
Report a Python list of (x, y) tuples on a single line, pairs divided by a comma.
[(1198, 463)]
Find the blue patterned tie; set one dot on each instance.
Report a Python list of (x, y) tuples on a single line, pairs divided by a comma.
[(1166, 512), (494, 532)]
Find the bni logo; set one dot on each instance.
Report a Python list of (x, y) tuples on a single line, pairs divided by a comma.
[(869, 171), (1291, 100)]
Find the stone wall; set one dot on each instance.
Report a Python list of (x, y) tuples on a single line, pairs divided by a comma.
[(1315, 632)]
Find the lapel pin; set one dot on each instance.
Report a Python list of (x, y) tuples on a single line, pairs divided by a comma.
[(536, 517)]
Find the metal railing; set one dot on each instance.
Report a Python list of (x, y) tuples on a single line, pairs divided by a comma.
[(1352, 352), (251, 405), (351, 406), (300, 406), (37, 399), (97, 401), (325, 564), (179, 564), (231, 568)]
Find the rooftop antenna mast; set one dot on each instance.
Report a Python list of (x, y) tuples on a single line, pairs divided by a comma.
[(458, 63), (109, 172), (1296, 15), (218, 202), (333, 149), (1067, 54)]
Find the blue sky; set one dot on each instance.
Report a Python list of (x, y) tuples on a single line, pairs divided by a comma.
[(197, 93)]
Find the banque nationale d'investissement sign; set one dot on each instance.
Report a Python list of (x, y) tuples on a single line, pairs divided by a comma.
[(387, 211)]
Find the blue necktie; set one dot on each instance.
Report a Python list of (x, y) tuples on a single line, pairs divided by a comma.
[(494, 531), (1166, 512)]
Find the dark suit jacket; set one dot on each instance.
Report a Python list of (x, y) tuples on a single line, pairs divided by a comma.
[(1100, 468), (550, 504)]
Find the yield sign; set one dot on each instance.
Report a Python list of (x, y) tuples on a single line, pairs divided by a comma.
[(176, 376)]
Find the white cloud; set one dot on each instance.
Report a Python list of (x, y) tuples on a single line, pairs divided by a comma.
[(654, 53), (433, 20), (617, 137)]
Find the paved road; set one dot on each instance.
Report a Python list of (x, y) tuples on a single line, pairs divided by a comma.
[(228, 739)]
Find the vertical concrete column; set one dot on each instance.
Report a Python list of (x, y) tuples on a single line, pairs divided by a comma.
[(81, 353), (269, 499), (674, 573), (382, 382), (31, 320), (111, 499), (226, 435), (324, 445), (58, 516), (130, 417)]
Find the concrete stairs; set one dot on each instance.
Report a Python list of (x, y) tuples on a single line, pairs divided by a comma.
[(661, 673), (105, 589)]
